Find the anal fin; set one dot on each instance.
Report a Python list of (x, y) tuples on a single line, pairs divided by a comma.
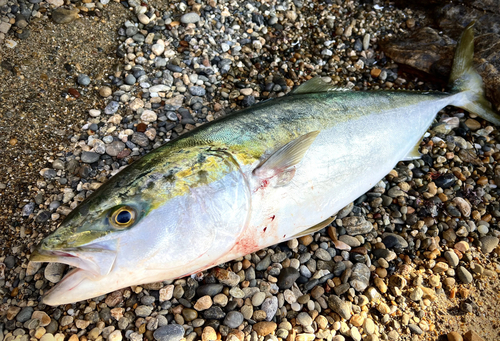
[(414, 154), (315, 228)]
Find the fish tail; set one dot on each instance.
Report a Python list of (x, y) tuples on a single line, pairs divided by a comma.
[(464, 79)]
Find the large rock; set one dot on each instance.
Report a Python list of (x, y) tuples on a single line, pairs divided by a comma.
[(428, 51)]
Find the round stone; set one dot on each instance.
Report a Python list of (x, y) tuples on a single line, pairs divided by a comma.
[(83, 79), (304, 319), (190, 18), (258, 298), (130, 79), (171, 332), (149, 116), (233, 319), (114, 148), (105, 91)]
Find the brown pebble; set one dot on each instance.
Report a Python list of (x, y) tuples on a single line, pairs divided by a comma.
[(454, 336), (73, 92), (264, 328), (486, 218), (473, 124), (306, 240), (375, 72), (472, 336), (124, 153), (141, 127), (482, 181), (381, 272), (13, 141), (332, 232), (64, 16), (105, 91)]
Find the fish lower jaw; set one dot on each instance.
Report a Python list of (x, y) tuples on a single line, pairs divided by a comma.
[(64, 291)]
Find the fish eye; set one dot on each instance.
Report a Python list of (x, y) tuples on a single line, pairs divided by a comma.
[(122, 217)]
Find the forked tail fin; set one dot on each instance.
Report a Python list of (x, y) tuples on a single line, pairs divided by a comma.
[(465, 79)]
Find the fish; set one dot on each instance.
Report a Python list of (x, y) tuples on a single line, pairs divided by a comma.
[(277, 170)]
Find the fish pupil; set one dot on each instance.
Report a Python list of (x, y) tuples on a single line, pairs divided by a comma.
[(123, 217)]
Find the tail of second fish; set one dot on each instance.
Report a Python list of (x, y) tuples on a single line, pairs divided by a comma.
[(464, 79)]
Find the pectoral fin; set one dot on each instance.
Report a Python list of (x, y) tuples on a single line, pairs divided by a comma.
[(414, 154), (315, 228), (286, 157)]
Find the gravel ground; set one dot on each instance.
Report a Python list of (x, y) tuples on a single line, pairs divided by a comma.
[(87, 88)]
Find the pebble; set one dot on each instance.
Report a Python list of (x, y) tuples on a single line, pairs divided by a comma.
[(452, 258), (203, 303), (454, 336), (360, 277), (190, 18), (83, 80), (287, 277), (65, 16), (339, 306), (464, 275), (54, 272), (233, 319), (90, 157), (356, 225), (25, 314), (171, 332), (264, 328), (488, 244), (114, 148)]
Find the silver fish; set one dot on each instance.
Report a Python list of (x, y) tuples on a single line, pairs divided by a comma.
[(275, 171)]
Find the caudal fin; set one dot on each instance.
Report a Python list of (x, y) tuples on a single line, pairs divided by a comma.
[(465, 79)]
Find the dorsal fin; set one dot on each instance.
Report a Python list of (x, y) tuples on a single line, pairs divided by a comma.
[(316, 84)]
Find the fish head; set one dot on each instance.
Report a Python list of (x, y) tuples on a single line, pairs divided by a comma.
[(156, 220)]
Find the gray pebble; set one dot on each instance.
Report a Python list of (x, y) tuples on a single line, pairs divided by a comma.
[(464, 275), (114, 148), (190, 18), (270, 306), (171, 332), (488, 243), (83, 79), (323, 255), (356, 225), (89, 157), (111, 108), (263, 264), (415, 329), (339, 306), (54, 272), (287, 277), (143, 310), (452, 258), (209, 289), (28, 209), (233, 319), (140, 139), (197, 91), (130, 79), (24, 315)]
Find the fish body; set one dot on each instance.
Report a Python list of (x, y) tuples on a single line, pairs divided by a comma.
[(252, 179)]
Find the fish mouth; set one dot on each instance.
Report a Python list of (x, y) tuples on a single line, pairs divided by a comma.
[(96, 259)]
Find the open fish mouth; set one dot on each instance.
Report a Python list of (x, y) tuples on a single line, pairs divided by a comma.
[(96, 259)]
